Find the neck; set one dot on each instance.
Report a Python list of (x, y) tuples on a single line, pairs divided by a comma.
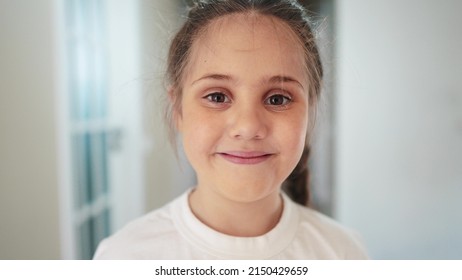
[(243, 219)]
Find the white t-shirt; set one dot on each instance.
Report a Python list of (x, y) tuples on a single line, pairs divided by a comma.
[(173, 232)]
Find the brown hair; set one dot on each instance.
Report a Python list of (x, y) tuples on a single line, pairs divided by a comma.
[(289, 11)]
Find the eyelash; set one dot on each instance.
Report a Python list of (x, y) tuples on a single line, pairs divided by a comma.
[(211, 98)]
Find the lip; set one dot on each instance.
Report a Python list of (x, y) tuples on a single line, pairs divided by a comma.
[(239, 157)]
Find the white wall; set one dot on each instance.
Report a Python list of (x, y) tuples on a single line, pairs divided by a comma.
[(399, 126), (29, 221)]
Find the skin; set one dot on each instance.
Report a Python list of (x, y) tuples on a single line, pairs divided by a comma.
[(243, 120)]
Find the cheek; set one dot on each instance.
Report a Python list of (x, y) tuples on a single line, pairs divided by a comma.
[(292, 136), (200, 133), (296, 126)]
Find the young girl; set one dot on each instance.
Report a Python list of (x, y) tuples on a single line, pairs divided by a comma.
[(244, 78)]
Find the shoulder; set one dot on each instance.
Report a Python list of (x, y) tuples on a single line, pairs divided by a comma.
[(331, 237), (140, 238)]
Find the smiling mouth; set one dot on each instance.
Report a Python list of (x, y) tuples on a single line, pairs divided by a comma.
[(245, 157)]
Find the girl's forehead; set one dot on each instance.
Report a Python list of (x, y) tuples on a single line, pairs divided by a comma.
[(243, 41), (251, 30)]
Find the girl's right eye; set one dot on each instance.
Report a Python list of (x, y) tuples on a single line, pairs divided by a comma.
[(217, 97)]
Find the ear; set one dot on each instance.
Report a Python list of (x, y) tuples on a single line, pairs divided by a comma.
[(175, 105)]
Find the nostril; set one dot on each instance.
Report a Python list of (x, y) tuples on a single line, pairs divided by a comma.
[(249, 126)]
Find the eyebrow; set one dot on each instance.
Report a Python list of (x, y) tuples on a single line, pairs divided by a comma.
[(274, 79), (284, 79), (219, 77)]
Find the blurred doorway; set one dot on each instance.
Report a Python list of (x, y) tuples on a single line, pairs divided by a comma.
[(101, 101)]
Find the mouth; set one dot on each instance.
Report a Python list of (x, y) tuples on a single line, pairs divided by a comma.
[(245, 157)]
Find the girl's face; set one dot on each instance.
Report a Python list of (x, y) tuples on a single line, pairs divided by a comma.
[(244, 109)]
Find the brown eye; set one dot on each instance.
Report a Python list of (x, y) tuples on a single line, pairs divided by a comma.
[(277, 100), (217, 97)]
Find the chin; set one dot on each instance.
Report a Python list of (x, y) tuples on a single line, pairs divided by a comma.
[(247, 192)]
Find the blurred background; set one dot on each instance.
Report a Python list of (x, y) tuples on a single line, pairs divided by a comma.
[(83, 147)]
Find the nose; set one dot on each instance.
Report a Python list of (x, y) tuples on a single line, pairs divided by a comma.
[(248, 122)]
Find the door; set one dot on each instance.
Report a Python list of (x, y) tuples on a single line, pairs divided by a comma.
[(103, 127)]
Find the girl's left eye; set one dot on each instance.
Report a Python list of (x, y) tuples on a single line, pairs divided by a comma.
[(278, 100)]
